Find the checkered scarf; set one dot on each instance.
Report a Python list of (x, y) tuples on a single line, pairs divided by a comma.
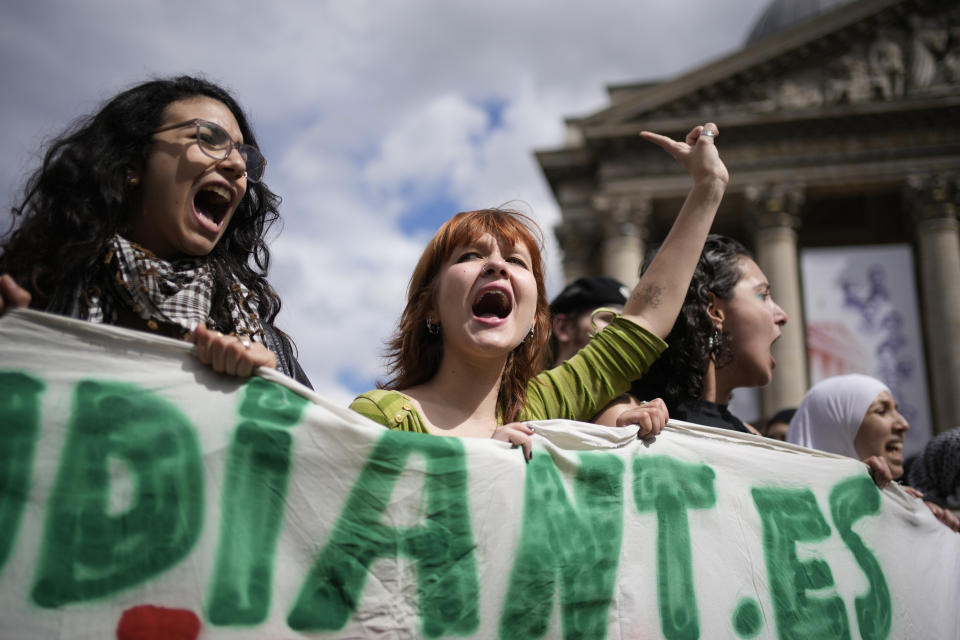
[(936, 472), (176, 294)]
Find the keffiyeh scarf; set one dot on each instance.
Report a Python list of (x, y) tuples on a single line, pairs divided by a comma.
[(164, 294)]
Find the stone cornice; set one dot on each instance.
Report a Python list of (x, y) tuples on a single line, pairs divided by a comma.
[(764, 52)]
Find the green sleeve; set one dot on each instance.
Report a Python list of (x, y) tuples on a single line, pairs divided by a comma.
[(391, 409), (583, 385), (366, 407)]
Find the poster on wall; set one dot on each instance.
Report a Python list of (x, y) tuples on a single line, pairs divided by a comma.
[(862, 316)]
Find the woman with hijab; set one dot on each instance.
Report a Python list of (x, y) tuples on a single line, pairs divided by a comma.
[(151, 214), (856, 416)]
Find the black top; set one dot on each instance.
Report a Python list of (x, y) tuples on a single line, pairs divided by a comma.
[(286, 360), (709, 414)]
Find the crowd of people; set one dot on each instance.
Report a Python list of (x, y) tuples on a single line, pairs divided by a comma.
[(151, 214)]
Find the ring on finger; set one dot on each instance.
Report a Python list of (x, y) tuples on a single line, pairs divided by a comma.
[(245, 342), (707, 133)]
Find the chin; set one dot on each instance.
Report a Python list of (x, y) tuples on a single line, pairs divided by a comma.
[(896, 470)]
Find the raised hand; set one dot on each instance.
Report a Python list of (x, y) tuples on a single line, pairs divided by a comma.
[(697, 154)]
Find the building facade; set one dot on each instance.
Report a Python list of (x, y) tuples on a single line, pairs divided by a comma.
[(840, 128)]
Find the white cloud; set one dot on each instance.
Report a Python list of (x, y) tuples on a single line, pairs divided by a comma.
[(363, 108)]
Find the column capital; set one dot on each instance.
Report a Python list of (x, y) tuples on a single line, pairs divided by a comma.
[(578, 239), (932, 196), (621, 215), (775, 205)]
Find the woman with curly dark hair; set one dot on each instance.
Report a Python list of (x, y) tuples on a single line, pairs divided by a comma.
[(466, 353), (151, 214), (721, 340)]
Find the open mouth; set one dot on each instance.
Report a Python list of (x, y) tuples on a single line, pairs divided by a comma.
[(895, 447), (492, 304), (213, 202)]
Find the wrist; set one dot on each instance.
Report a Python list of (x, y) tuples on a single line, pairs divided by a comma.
[(710, 186)]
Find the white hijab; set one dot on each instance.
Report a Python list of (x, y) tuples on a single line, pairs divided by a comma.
[(830, 414)]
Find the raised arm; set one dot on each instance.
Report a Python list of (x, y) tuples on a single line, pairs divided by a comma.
[(657, 298)]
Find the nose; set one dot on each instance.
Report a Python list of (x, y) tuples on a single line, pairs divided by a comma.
[(779, 315), (901, 425), (495, 263), (235, 162)]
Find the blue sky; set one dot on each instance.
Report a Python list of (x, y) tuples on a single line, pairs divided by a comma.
[(379, 119)]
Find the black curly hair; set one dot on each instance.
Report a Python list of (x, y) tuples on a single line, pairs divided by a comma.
[(678, 374), (77, 200)]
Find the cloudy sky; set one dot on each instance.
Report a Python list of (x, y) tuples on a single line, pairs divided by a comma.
[(379, 119)]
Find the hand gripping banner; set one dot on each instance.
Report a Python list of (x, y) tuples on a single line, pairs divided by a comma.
[(144, 496)]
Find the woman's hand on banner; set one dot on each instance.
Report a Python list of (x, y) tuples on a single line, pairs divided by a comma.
[(650, 418), (519, 434), (879, 471), (12, 295), (233, 355)]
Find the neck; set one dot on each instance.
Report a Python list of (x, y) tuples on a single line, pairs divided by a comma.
[(461, 399), (714, 389)]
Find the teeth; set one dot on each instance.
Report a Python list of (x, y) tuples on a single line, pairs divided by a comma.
[(896, 446), (218, 190)]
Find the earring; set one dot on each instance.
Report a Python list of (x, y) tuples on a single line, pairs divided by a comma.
[(432, 329), (529, 335), (132, 180), (713, 342)]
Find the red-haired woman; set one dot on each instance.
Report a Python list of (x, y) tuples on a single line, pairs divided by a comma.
[(464, 357)]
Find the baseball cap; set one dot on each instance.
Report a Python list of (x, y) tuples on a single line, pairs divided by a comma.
[(589, 293)]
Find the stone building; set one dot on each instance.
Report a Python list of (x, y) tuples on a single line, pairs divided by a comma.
[(840, 124)]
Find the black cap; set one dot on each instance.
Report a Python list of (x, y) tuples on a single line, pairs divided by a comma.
[(589, 293)]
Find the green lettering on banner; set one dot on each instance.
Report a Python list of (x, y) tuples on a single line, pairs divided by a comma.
[(252, 504), (670, 487), (19, 430), (747, 618), (851, 500), (790, 516), (89, 552), (579, 545), (442, 546)]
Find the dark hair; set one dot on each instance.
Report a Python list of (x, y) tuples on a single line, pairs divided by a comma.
[(678, 374), (77, 200), (414, 354)]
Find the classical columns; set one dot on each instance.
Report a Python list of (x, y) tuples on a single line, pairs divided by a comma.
[(577, 239), (932, 201), (775, 212), (621, 246)]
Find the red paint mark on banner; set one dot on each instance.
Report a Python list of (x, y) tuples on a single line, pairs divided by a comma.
[(148, 622)]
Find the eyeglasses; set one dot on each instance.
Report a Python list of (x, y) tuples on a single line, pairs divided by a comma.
[(216, 143)]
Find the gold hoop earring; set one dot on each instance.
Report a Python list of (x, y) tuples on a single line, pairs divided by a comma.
[(132, 180)]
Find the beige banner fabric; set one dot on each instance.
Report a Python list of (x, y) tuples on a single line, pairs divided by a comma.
[(143, 496)]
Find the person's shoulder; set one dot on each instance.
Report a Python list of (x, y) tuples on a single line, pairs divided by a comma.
[(377, 403)]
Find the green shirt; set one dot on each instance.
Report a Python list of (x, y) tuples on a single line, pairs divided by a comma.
[(576, 390)]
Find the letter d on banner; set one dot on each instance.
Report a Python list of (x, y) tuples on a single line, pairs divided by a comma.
[(90, 549)]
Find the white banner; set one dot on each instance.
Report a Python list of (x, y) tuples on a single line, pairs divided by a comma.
[(143, 496), (860, 310)]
